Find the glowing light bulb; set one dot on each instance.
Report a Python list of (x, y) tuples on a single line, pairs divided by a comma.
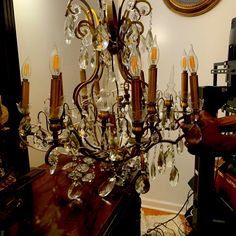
[(26, 69), (135, 62), (192, 60), (55, 62), (183, 62), (154, 53)]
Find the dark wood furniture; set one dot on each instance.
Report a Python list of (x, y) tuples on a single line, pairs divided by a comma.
[(43, 208)]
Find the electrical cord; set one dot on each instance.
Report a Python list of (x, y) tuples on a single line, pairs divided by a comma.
[(157, 228)]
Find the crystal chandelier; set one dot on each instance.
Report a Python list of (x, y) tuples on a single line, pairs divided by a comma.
[(119, 116)]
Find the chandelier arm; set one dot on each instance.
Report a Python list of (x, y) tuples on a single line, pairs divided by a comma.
[(78, 32), (46, 120)]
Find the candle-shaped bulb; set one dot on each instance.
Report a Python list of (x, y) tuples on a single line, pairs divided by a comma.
[(25, 73), (192, 60), (26, 69), (55, 63), (135, 62), (154, 53), (183, 62)]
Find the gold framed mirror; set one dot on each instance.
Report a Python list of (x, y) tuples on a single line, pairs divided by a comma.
[(190, 7)]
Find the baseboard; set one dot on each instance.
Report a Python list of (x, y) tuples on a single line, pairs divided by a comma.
[(161, 205)]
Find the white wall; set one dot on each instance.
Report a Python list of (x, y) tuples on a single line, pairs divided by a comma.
[(40, 26)]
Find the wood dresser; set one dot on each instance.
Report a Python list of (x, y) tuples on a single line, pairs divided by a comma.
[(38, 204)]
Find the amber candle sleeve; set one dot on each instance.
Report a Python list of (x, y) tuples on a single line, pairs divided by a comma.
[(54, 97), (184, 86), (194, 90), (136, 99), (152, 84), (25, 93)]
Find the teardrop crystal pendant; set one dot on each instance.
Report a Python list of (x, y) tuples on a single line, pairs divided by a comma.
[(142, 184), (161, 161), (74, 191), (100, 38), (180, 146), (169, 155), (106, 187), (69, 26), (83, 59), (174, 176), (153, 169), (149, 39)]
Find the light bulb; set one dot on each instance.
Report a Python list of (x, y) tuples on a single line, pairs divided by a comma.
[(183, 62), (135, 62), (55, 62), (192, 60), (26, 69), (154, 53)]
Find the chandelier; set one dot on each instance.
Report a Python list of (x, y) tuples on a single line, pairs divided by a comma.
[(120, 123)]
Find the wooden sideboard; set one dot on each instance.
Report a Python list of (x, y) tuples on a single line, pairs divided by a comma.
[(40, 206)]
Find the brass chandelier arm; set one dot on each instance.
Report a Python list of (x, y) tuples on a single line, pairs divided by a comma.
[(78, 32)]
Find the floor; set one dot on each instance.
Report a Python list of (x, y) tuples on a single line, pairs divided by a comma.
[(152, 212)]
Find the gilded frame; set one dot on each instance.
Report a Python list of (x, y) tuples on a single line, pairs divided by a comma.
[(190, 7)]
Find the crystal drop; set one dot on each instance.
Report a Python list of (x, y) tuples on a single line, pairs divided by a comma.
[(106, 187), (100, 38), (130, 4), (93, 60), (106, 57), (76, 11), (169, 155), (83, 59), (153, 170), (142, 44), (52, 169), (87, 39), (88, 177), (68, 165), (142, 184), (125, 56), (180, 146), (149, 39), (82, 167), (134, 15), (161, 163), (69, 29), (174, 176), (74, 175), (74, 191), (53, 158)]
